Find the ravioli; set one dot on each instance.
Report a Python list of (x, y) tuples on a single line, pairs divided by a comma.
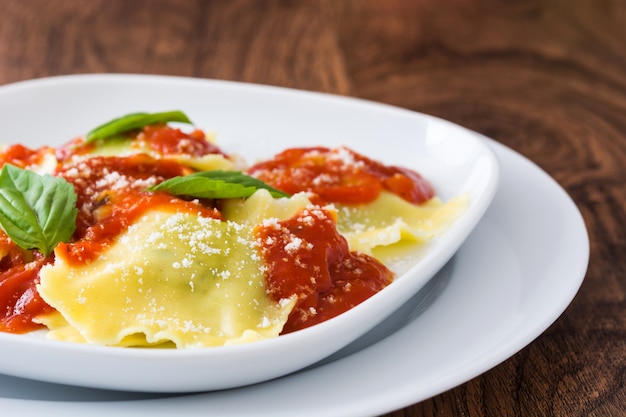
[(177, 278), (392, 229), (154, 268)]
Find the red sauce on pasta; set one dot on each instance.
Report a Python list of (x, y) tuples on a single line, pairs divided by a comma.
[(19, 300), (23, 157), (340, 175), (306, 256), (167, 140)]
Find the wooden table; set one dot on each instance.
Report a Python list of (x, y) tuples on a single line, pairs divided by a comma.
[(546, 78)]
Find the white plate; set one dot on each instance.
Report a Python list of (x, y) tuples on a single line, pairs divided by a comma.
[(514, 276), (255, 122)]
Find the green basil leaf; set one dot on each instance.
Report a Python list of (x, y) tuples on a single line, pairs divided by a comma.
[(36, 211), (134, 121), (216, 184)]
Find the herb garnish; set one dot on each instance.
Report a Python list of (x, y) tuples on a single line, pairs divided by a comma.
[(36, 211), (134, 121), (215, 184)]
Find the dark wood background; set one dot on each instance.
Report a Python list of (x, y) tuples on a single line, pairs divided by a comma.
[(546, 78)]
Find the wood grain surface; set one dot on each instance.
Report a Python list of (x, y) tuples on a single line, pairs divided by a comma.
[(546, 78)]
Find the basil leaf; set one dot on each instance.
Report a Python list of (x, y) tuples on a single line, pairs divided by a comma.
[(216, 184), (36, 212), (134, 121)]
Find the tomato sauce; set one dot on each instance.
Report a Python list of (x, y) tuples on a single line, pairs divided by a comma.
[(167, 141), (19, 300), (23, 157), (98, 179), (306, 256), (340, 176)]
